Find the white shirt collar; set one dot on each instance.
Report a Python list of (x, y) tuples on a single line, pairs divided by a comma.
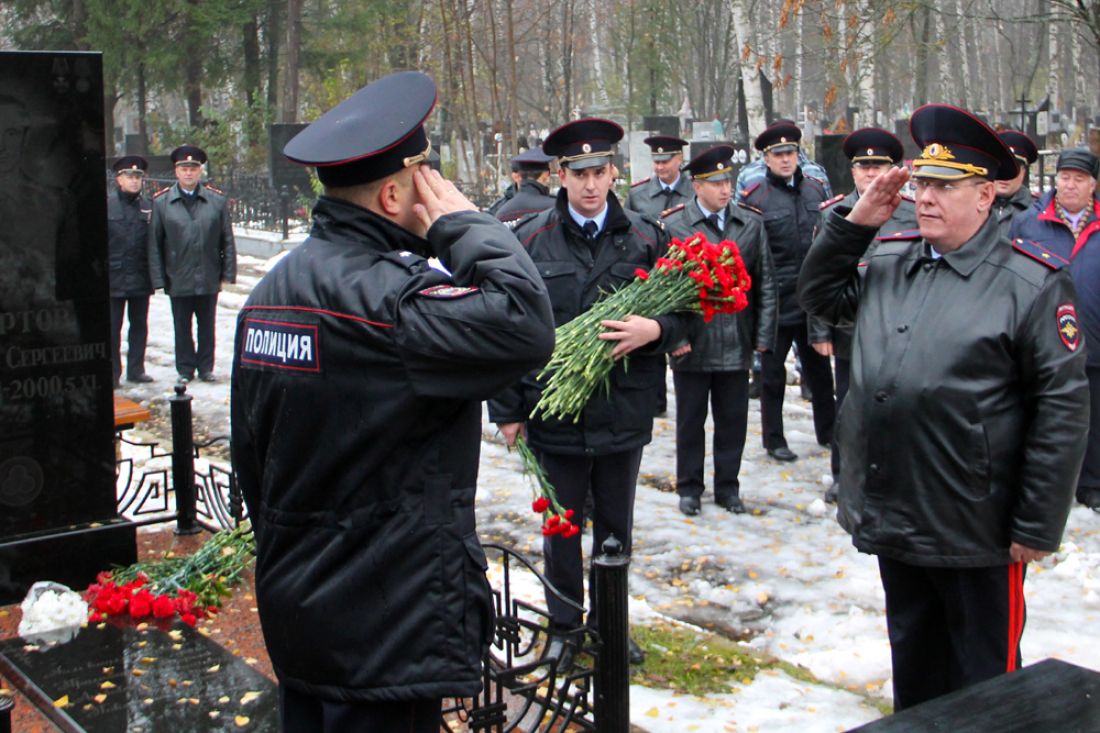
[(707, 212), (672, 185)]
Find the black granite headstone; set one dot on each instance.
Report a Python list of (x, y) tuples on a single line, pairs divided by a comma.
[(829, 153), (118, 678), (662, 125), (58, 515), (283, 171), (1049, 697)]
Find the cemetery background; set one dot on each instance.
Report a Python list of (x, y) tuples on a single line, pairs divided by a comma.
[(783, 581)]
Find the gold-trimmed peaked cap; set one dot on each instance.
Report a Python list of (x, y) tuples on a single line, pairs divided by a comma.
[(130, 164), (874, 146), (713, 164), (585, 143), (663, 147), (779, 137), (955, 145), (188, 155), (1022, 146), (372, 134)]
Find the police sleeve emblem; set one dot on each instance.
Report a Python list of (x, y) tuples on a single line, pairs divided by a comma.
[(293, 347), (1068, 330), (446, 291)]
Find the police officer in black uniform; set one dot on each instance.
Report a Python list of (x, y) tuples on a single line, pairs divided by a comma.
[(790, 201), (667, 187), (128, 215), (533, 189), (584, 247), (715, 365), (357, 380), (1014, 196), (964, 429), (873, 151)]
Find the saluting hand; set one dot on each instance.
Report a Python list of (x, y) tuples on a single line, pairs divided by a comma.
[(877, 204), (438, 196)]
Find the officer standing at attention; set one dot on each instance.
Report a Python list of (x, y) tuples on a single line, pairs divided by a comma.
[(666, 188), (128, 215), (873, 151), (1014, 196), (790, 204), (191, 253), (965, 424), (370, 579), (587, 245), (533, 192), (715, 366)]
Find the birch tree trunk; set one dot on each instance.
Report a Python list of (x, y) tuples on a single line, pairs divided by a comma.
[(750, 76), (1054, 78)]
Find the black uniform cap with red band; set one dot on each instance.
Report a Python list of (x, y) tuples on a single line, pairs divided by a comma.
[(374, 133), (873, 146), (586, 143)]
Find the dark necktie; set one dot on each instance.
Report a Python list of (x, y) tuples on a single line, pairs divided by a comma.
[(713, 219), (669, 193), (590, 230)]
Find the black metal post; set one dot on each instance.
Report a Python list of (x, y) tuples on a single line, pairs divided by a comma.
[(7, 704), (613, 670), (183, 461), (284, 210)]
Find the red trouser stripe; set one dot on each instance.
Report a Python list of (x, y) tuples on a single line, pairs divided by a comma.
[(1015, 612)]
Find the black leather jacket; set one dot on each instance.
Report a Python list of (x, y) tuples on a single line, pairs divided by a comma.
[(965, 425), (357, 378), (531, 198), (1006, 208), (728, 342), (128, 244), (191, 252), (791, 213), (622, 419)]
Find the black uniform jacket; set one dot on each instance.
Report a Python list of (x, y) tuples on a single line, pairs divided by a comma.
[(531, 198), (791, 213), (128, 244), (622, 419), (1006, 208), (964, 427), (191, 252), (357, 378), (904, 219), (648, 196), (728, 342)]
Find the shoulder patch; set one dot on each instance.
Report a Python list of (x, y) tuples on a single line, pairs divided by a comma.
[(1039, 253), (641, 182), (826, 204), (283, 345), (907, 234), (672, 210), (1068, 330), (750, 207), (445, 292), (161, 192), (215, 189), (748, 191)]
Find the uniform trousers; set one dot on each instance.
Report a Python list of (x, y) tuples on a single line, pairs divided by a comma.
[(136, 337), (818, 373), (951, 627), (202, 309), (1088, 486), (612, 480), (843, 375), (303, 713), (728, 394)]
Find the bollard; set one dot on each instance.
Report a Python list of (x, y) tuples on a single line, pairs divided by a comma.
[(613, 670), (7, 703), (183, 461)]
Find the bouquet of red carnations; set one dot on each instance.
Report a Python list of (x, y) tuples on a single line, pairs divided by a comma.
[(694, 275)]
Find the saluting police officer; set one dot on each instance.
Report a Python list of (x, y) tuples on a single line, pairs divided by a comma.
[(1014, 196), (873, 151), (789, 202), (533, 188), (128, 214), (715, 365), (964, 428), (587, 245), (357, 380), (666, 188)]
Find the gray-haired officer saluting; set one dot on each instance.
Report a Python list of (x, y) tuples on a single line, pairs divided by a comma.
[(964, 428), (585, 246), (1014, 196), (873, 151), (357, 379), (715, 366), (533, 189), (667, 187)]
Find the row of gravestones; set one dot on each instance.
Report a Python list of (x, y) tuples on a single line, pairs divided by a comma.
[(58, 513)]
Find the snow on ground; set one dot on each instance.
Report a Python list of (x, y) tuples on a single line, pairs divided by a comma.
[(784, 578)]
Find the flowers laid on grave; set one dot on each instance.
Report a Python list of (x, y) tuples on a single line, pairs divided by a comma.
[(694, 276), (190, 586)]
